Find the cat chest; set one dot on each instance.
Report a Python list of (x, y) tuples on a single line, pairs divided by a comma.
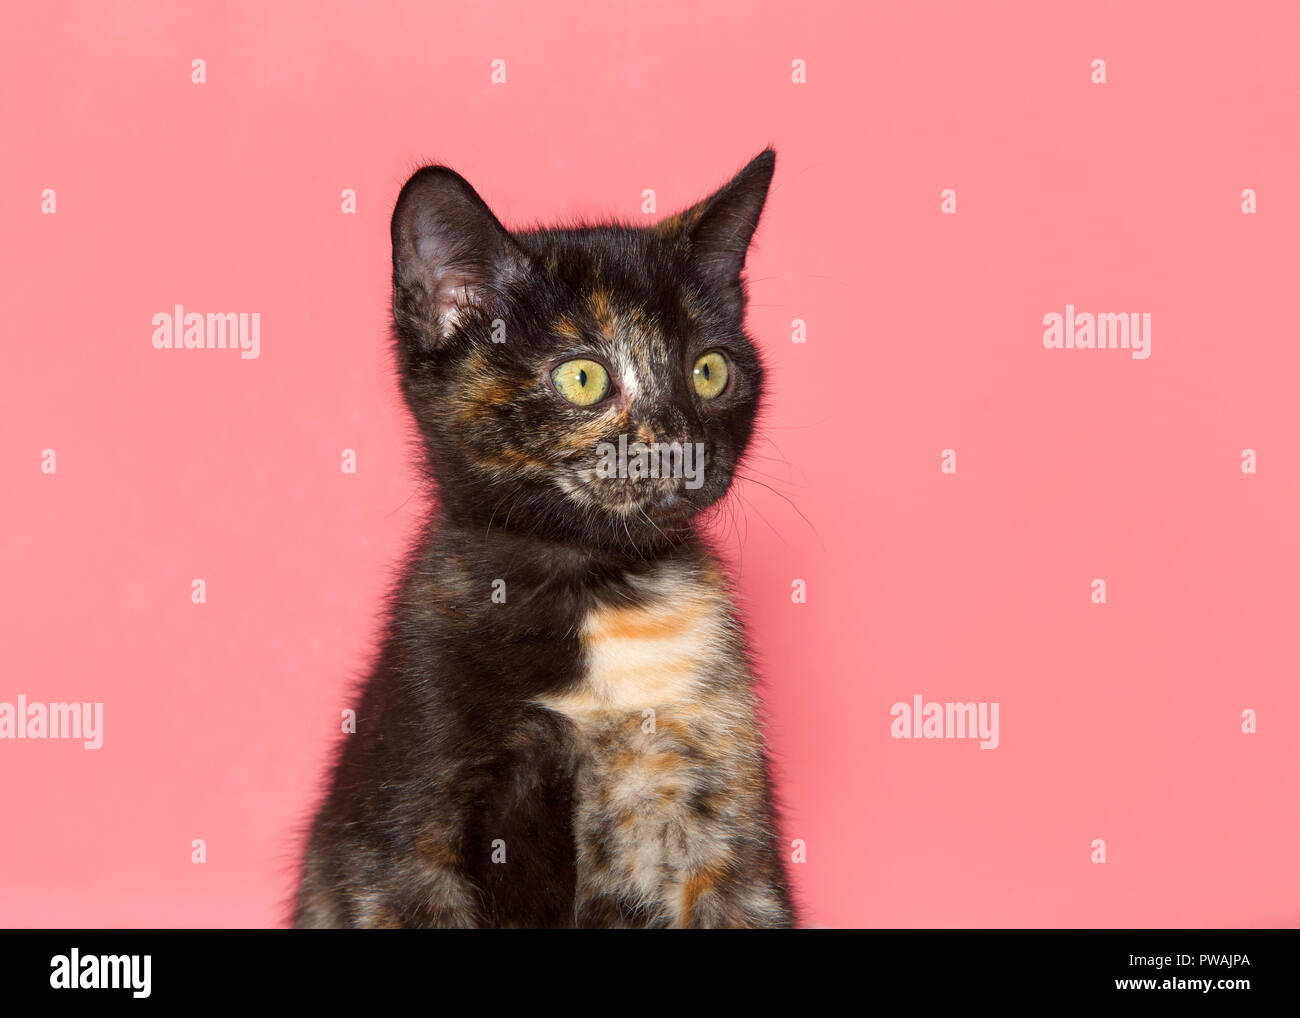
[(663, 653)]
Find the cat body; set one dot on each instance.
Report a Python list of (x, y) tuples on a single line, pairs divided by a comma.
[(561, 729)]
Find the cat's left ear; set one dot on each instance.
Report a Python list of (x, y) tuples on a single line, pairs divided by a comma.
[(721, 227)]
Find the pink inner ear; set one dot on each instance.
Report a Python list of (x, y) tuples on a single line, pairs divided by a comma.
[(454, 290), (451, 302)]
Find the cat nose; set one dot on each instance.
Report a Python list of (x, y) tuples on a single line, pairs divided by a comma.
[(667, 425)]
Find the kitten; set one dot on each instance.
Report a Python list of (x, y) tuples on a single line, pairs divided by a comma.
[(560, 729)]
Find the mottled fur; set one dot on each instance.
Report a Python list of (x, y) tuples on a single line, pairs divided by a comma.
[(585, 752)]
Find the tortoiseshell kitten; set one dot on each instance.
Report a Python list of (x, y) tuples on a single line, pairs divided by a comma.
[(560, 729)]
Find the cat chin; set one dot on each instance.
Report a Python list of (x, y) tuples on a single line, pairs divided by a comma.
[(660, 508), (641, 525), (670, 502)]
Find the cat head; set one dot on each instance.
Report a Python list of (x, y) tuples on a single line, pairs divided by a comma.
[(592, 382)]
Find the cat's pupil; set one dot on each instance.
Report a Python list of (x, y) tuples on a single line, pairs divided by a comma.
[(705, 369), (582, 378)]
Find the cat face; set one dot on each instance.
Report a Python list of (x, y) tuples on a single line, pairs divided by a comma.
[(592, 382)]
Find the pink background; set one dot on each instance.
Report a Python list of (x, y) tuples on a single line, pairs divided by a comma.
[(1118, 721)]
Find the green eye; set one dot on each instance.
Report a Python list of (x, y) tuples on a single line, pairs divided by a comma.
[(581, 382), (710, 374)]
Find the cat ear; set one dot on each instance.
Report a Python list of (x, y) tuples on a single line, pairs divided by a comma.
[(721, 227), (449, 253)]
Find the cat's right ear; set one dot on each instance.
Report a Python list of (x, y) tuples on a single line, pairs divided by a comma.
[(450, 254)]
